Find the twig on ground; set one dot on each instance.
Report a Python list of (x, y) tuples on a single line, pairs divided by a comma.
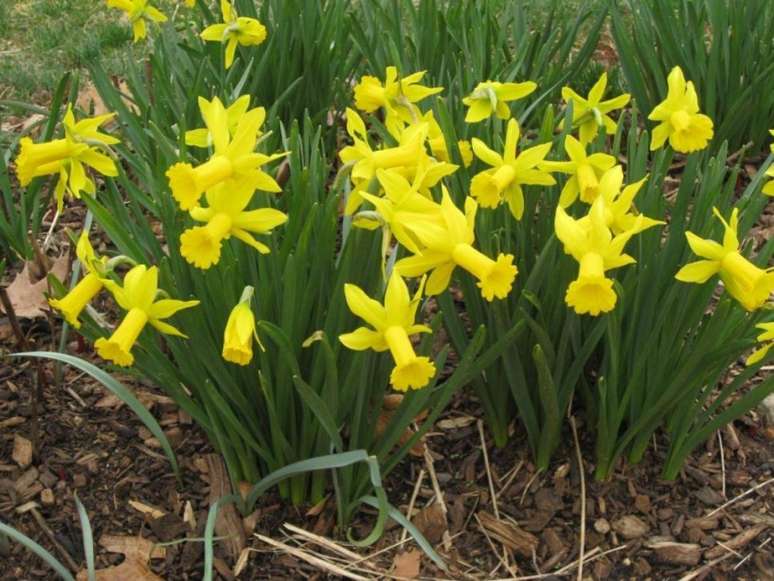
[(488, 469), (52, 538), (704, 568), (413, 500), (739, 497), (722, 463), (311, 559), (579, 456)]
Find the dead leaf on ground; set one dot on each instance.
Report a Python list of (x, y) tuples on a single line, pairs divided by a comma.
[(137, 552), (406, 565), (27, 296)]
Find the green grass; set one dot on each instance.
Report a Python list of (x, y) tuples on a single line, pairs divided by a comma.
[(41, 39)]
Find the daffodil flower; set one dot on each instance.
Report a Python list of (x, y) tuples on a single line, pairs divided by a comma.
[(747, 283), (226, 216), (509, 172), (491, 97), (590, 113), (584, 170), (450, 244), (138, 297), (767, 338), (409, 158), (401, 201), (768, 189), (396, 96), (234, 165), (240, 331), (392, 326), (138, 11), (73, 303), (234, 112), (679, 118), (593, 245), (618, 204), (234, 30), (68, 156)]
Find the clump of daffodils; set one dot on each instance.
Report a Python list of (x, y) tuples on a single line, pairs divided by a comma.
[(228, 181)]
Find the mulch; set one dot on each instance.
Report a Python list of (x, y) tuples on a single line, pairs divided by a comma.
[(486, 510)]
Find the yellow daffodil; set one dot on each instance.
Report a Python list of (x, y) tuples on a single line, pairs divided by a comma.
[(234, 165), (402, 200), (768, 189), (190, 3), (450, 244), (592, 244), (584, 170), (409, 157), (618, 204), (226, 216), (747, 283), (68, 156), (509, 172), (138, 11), (73, 303), (767, 338), (138, 297), (491, 97), (396, 96), (591, 113), (240, 331), (392, 326), (679, 118), (234, 30), (234, 112), (437, 142)]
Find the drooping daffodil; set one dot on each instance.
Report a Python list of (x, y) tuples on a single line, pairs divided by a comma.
[(449, 244), (492, 97), (72, 304), (392, 325), (139, 297), (679, 119), (67, 156), (768, 189), (509, 172), (746, 282), (590, 113), (234, 30), (240, 331)]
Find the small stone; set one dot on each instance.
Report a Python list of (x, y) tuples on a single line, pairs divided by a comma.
[(665, 513), (766, 408), (22, 451), (642, 503), (602, 526), (709, 496), (631, 527), (47, 497), (79, 480)]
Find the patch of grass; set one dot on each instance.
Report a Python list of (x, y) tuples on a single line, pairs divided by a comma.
[(41, 39)]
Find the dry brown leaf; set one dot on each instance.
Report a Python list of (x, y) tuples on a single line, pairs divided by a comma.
[(27, 296), (406, 565), (431, 522), (137, 551)]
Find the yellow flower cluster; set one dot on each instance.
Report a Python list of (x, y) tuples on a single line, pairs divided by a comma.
[(138, 296)]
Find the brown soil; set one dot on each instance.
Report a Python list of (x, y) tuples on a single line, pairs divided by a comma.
[(92, 445)]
